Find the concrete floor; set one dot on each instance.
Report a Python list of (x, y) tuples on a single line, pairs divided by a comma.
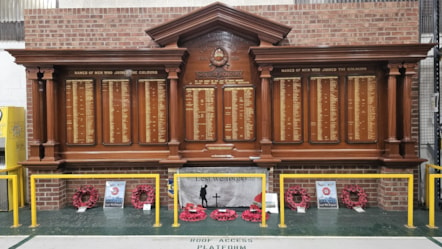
[(133, 228)]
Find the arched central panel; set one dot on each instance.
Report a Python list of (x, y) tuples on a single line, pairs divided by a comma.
[(219, 96)]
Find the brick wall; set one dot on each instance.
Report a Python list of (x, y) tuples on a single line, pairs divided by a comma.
[(313, 24)]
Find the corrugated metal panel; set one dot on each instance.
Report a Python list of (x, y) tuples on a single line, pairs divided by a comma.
[(12, 18), (12, 10), (12, 31)]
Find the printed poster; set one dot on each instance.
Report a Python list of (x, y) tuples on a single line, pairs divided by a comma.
[(114, 194), (327, 195)]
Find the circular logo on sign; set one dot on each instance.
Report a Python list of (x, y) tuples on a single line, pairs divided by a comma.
[(115, 191), (326, 191), (219, 57)]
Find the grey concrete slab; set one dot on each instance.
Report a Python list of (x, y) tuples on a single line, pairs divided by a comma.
[(225, 242)]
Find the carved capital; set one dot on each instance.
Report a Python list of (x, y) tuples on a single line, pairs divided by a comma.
[(410, 68), (265, 71), (46, 73), (172, 72), (393, 69)]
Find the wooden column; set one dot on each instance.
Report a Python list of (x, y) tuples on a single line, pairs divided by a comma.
[(266, 142), (174, 121), (51, 144), (37, 103), (392, 143), (408, 150)]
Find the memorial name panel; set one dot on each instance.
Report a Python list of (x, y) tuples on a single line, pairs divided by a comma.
[(152, 111), (287, 101), (239, 113), (324, 109), (200, 114), (80, 112), (361, 109), (116, 111)]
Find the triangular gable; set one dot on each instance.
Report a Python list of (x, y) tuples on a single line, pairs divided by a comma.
[(218, 16)]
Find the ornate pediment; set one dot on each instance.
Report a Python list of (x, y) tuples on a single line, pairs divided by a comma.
[(218, 16)]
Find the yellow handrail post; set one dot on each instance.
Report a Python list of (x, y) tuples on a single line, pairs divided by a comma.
[(21, 186), (175, 201), (410, 203), (15, 200), (427, 179), (33, 203), (263, 202), (157, 202), (281, 201), (431, 202)]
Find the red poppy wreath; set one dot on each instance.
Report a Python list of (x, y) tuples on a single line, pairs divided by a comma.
[(82, 193), (346, 196)]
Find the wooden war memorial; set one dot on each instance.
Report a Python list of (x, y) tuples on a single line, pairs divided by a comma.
[(221, 90)]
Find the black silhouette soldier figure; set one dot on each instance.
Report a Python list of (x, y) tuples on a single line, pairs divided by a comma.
[(203, 194)]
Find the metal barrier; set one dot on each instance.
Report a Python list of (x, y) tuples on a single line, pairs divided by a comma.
[(431, 201), (20, 183), (347, 176), (429, 166), (94, 176), (175, 192), (13, 178)]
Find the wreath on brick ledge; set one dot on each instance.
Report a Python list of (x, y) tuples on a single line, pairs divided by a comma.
[(355, 190), (84, 192), (290, 197), (138, 193)]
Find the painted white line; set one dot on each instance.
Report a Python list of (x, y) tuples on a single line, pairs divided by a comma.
[(225, 242)]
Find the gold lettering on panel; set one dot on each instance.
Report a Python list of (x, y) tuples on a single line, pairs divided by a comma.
[(116, 111), (200, 114), (80, 112), (239, 113), (324, 109), (153, 112), (288, 109), (361, 109)]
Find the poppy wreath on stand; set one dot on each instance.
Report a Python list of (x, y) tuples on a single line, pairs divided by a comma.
[(297, 191), (82, 193), (139, 192), (346, 196)]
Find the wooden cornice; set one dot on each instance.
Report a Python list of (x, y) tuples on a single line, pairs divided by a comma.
[(399, 53), (218, 16), (81, 57)]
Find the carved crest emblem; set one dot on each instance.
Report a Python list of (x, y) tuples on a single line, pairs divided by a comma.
[(219, 57)]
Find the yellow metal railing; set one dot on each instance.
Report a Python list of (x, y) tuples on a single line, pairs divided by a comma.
[(347, 176), (175, 191), (20, 183), (94, 176), (14, 180), (429, 166), (431, 201)]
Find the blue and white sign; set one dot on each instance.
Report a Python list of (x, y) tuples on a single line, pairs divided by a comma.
[(326, 193), (114, 194)]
